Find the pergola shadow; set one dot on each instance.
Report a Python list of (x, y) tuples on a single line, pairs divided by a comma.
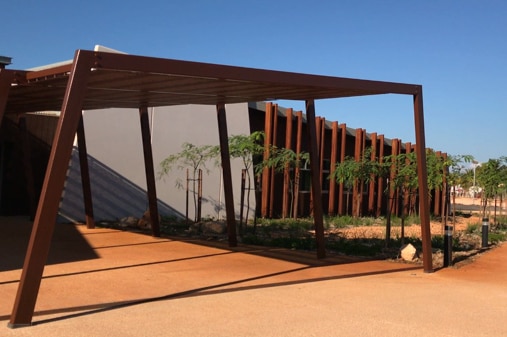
[(299, 262)]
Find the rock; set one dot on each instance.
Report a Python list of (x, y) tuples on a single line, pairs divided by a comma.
[(145, 221), (195, 227), (129, 221), (214, 227), (408, 252)]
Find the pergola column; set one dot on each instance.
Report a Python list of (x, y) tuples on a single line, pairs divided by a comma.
[(226, 169), (315, 173), (56, 173), (150, 171), (85, 175), (422, 174)]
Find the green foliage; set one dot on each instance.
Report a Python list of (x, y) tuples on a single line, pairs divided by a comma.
[(345, 221), (282, 158), (190, 156), (246, 147), (351, 170), (473, 228), (497, 237)]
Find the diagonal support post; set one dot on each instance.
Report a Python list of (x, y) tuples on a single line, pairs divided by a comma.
[(56, 173)]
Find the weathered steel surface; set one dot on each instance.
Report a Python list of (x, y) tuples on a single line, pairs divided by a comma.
[(85, 175), (316, 187), (226, 169), (149, 171)]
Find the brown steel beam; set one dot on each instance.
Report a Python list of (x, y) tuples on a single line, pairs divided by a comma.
[(268, 128), (226, 169), (334, 157), (371, 188), (56, 172), (85, 175), (437, 198), (356, 193), (316, 187), (406, 193), (150, 171), (380, 180), (272, 169), (422, 175), (322, 145), (6, 77), (297, 173), (286, 171), (343, 149)]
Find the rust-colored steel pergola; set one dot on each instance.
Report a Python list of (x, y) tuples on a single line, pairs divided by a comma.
[(97, 80)]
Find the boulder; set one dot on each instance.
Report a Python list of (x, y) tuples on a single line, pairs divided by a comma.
[(214, 227), (145, 221), (408, 252), (129, 221)]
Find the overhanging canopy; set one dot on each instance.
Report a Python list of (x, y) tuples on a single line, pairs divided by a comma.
[(97, 80), (126, 81)]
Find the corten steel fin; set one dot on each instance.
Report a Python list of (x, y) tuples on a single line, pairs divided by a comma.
[(343, 133), (437, 197), (318, 217), (422, 174), (371, 188), (297, 171), (150, 171), (380, 180), (56, 173), (226, 169), (268, 129), (274, 140), (85, 175), (286, 170), (334, 157)]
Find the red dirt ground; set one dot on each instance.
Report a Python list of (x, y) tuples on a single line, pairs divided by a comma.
[(106, 282)]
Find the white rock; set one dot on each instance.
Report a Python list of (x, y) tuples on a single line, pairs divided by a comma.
[(408, 252)]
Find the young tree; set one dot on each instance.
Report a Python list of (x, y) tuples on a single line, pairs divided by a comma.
[(194, 157), (282, 159), (492, 176), (247, 148), (456, 176), (351, 171)]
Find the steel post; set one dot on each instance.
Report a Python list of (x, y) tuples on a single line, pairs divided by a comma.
[(226, 169), (316, 187)]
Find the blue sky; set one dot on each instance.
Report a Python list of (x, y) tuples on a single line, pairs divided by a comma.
[(456, 49)]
